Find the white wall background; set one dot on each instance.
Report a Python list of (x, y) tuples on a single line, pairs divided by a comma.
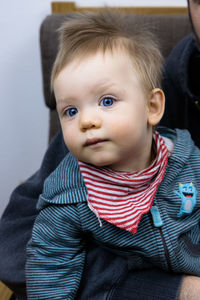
[(23, 116)]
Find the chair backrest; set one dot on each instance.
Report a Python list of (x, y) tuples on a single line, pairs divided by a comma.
[(168, 28)]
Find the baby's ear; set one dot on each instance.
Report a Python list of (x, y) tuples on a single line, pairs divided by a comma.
[(156, 106)]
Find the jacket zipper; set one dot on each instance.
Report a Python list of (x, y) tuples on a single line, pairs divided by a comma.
[(167, 256), (158, 223)]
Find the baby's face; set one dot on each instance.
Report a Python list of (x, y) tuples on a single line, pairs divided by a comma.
[(103, 112)]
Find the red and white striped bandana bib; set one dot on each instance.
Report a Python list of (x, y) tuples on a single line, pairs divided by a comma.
[(121, 198)]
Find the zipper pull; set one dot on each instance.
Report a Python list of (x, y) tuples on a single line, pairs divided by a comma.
[(157, 221)]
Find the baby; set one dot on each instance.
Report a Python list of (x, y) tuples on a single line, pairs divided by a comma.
[(133, 190)]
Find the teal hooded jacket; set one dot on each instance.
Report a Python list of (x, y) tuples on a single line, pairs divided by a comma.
[(168, 236)]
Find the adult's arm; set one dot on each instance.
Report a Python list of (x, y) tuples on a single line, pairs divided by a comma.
[(106, 276), (190, 288)]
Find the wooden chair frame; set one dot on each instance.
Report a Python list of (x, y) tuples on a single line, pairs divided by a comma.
[(69, 7)]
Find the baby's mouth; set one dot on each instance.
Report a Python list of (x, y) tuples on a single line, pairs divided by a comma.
[(94, 141)]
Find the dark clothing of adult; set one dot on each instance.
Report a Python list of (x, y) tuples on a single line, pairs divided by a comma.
[(181, 85)]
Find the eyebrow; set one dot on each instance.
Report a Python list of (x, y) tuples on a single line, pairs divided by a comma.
[(60, 104), (105, 85)]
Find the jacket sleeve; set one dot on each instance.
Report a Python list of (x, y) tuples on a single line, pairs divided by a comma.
[(55, 254)]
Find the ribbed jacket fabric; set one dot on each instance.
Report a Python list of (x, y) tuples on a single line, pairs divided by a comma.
[(56, 252)]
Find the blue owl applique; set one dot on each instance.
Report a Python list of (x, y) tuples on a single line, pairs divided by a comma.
[(188, 194)]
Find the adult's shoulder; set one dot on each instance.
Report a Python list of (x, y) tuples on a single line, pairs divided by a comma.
[(175, 80), (181, 53), (187, 41)]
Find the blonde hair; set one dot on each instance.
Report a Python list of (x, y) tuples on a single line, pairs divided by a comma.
[(85, 34)]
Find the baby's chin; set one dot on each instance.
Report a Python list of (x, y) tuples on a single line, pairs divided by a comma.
[(98, 163)]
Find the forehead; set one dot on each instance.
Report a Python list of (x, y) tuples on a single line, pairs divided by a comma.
[(101, 63)]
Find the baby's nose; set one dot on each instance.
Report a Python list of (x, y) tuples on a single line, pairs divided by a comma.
[(89, 120)]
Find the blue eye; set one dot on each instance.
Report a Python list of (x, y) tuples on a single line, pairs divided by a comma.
[(107, 101), (71, 112)]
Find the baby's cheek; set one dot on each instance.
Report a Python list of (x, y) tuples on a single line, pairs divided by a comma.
[(121, 129), (70, 140)]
